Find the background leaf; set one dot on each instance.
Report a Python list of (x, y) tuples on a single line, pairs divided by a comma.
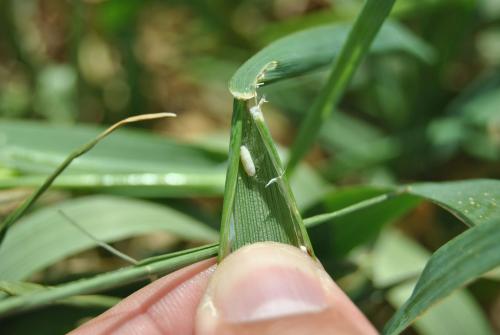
[(367, 25), (397, 258), (128, 162), (154, 266), (472, 201), (40, 148), (455, 264), (45, 237), (23, 288)]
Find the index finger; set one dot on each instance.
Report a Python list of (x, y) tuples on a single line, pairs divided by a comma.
[(167, 306)]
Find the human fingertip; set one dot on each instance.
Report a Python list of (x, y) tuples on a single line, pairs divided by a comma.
[(262, 283)]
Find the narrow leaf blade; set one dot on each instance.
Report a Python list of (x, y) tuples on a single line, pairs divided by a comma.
[(455, 264), (397, 258)]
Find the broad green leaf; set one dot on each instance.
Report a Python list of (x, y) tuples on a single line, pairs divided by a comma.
[(258, 205), (161, 265), (132, 163), (458, 262), (24, 288), (20, 210), (310, 49), (45, 237), (38, 148), (398, 258), (472, 201)]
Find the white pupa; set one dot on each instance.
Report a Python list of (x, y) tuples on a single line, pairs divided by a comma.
[(256, 110), (247, 161)]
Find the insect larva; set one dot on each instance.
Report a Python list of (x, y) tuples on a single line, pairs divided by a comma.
[(246, 161)]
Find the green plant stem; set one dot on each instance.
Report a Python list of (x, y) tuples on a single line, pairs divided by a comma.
[(321, 218), (85, 301), (157, 266), (25, 206), (360, 37)]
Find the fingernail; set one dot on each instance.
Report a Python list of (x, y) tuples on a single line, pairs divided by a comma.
[(264, 281)]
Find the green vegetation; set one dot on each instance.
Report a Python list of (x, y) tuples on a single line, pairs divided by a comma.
[(389, 110)]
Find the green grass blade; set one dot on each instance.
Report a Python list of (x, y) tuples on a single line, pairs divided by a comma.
[(25, 206), (314, 48), (128, 151), (256, 209), (131, 162), (139, 184), (358, 42), (472, 201), (455, 264), (359, 213), (84, 301), (397, 258), (166, 264), (45, 237), (321, 218)]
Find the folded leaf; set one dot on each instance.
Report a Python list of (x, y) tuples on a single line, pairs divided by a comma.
[(310, 49), (258, 203)]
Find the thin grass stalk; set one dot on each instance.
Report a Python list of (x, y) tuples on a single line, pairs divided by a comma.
[(365, 28), (26, 205), (146, 268), (321, 218)]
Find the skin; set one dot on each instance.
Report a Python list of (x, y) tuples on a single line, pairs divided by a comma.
[(167, 306), (199, 299)]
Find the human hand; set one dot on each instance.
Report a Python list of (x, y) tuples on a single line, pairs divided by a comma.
[(263, 288)]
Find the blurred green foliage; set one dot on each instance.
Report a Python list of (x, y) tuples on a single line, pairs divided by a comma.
[(402, 120)]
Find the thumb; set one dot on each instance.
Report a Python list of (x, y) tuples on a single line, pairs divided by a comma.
[(272, 288)]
